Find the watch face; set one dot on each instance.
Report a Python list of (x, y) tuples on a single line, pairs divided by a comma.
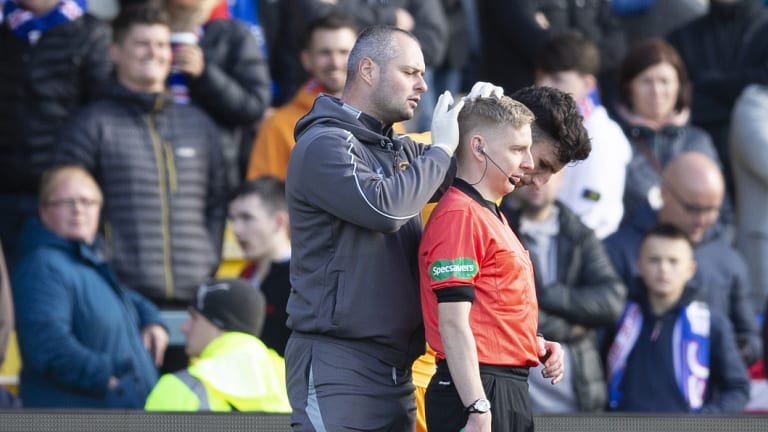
[(482, 405)]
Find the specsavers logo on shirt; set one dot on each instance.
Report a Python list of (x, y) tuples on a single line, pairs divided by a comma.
[(460, 268)]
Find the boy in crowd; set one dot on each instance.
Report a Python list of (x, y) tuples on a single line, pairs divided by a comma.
[(671, 353)]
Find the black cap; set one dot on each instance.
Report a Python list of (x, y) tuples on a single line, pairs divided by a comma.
[(231, 305)]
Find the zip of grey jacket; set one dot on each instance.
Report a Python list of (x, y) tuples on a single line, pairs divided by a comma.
[(355, 194)]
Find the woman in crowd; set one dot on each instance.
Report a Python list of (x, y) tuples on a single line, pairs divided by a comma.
[(86, 341), (654, 109)]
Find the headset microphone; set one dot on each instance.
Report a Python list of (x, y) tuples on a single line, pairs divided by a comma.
[(511, 179)]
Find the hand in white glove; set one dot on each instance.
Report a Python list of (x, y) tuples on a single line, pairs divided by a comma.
[(484, 89), (445, 126)]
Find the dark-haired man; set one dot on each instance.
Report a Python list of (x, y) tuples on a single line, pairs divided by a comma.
[(324, 55), (559, 137), (259, 219)]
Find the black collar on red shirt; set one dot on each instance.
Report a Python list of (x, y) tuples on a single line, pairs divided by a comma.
[(471, 192)]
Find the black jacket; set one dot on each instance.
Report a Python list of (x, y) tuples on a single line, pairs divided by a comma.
[(724, 51), (588, 293), (41, 86), (511, 36), (234, 88), (159, 165)]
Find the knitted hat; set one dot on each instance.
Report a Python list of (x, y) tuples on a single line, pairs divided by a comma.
[(231, 305)]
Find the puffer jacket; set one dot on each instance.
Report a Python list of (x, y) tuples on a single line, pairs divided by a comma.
[(41, 87), (234, 89), (355, 194), (160, 167)]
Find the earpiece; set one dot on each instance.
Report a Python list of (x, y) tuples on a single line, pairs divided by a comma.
[(513, 181)]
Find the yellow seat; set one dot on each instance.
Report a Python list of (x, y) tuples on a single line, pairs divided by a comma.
[(232, 259), (9, 372)]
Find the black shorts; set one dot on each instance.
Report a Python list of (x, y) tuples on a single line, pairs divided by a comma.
[(506, 388)]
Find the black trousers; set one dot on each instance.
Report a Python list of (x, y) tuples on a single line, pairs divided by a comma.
[(505, 386)]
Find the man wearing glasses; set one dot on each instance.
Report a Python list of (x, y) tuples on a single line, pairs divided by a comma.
[(692, 190)]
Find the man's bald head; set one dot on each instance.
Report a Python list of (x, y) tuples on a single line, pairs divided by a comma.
[(692, 189)]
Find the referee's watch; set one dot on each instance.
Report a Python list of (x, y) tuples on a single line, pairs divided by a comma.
[(480, 406)]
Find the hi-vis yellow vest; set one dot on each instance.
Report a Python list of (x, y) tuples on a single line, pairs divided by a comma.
[(235, 372)]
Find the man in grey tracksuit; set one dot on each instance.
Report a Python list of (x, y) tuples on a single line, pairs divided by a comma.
[(355, 193)]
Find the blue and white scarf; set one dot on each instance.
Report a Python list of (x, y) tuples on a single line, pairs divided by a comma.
[(27, 26), (588, 104), (690, 344)]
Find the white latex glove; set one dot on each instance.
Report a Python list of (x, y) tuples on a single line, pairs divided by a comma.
[(484, 89), (445, 126)]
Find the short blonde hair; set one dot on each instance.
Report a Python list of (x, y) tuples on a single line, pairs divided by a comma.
[(492, 112)]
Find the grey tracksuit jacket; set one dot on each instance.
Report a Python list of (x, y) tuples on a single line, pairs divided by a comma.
[(355, 193)]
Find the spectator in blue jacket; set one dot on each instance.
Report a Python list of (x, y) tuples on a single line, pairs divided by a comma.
[(86, 340)]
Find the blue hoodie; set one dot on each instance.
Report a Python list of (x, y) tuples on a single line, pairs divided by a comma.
[(77, 326)]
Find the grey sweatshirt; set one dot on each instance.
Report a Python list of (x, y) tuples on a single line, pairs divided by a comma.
[(355, 194)]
